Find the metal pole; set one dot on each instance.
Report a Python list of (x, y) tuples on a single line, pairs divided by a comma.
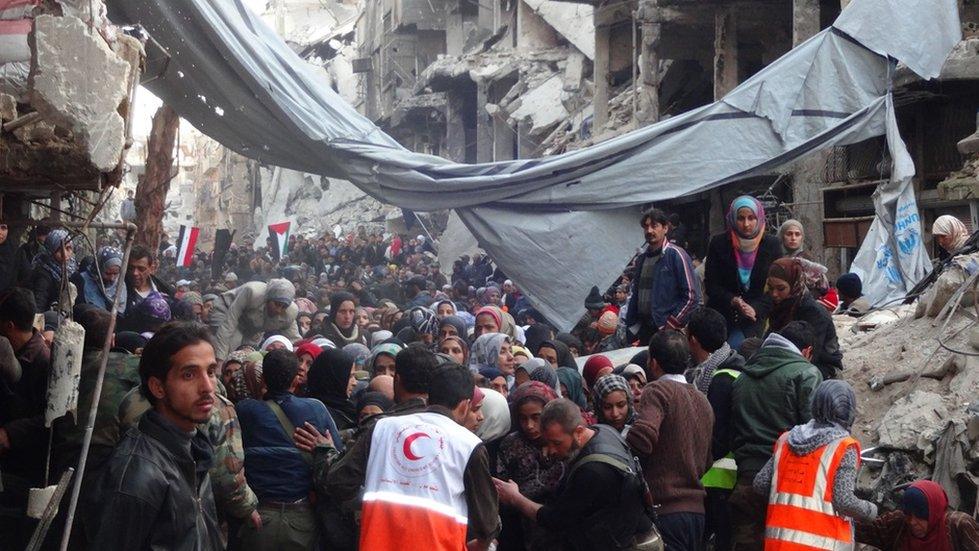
[(97, 396)]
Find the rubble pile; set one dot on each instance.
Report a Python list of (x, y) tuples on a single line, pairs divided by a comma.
[(64, 117), (918, 408)]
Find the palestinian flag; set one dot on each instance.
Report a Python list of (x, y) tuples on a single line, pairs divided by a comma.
[(186, 243), (279, 235)]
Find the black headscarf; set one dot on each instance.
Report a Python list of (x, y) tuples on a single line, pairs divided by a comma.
[(564, 357), (328, 378), (571, 341), (535, 336)]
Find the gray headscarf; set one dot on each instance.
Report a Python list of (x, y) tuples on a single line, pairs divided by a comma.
[(547, 376), (834, 408), (791, 223), (834, 403), (485, 352)]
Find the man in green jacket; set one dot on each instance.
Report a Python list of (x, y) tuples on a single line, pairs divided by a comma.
[(772, 396)]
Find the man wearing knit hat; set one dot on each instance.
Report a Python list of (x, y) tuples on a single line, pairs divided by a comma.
[(242, 315), (852, 301)]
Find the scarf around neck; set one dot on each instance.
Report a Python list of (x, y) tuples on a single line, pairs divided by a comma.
[(746, 246), (707, 369)]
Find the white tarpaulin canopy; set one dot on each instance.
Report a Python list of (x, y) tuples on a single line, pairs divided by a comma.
[(237, 81)]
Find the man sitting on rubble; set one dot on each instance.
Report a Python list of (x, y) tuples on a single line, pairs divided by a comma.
[(773, 394), (852, 301), (246, 313)]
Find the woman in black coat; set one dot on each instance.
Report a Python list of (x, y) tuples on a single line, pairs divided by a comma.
[(53, 263), (737, 267), (791, 301)]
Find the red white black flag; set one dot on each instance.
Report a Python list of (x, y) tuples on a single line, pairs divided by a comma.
[(186, 243), (279, 233)]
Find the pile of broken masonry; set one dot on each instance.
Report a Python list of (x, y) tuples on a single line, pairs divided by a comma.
[(915, 369)]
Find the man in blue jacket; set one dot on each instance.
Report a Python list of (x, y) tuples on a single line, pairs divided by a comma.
[(665, 290), (278, 472)]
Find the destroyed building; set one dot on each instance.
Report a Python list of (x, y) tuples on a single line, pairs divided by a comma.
[(65, 119)]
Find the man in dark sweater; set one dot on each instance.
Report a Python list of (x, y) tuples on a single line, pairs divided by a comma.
[(602, 498), (718, 366), (672, 437)]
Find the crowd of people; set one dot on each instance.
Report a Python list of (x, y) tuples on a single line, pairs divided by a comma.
[(348, 394)]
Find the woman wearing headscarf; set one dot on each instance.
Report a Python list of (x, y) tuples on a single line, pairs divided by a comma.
[(737, 267), (556, 353), (452, 326), (97, 285), (923, 523), (492, 350), (496, 423), (331, 381), (574, 344), (372, 403), (341, 326), (443, 308), (793, 237), (547, 376), (823, 452), (572, 386), (950, 234), (791, 301), (247, 382), (382, 359), (488, 320), (53, 263), (360, 354), (425, 324), (614, 402), (522, 460), (456, 348)]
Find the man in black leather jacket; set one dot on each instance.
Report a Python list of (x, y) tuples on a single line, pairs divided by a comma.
[(155, 492)]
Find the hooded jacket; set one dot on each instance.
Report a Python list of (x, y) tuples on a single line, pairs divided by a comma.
[(772, 396), (239, 315)]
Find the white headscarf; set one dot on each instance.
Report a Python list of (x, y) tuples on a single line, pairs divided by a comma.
[(277, 338), (952, 227), (496, 416)]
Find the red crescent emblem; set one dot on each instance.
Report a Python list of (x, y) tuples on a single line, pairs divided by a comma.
[(409, 440)]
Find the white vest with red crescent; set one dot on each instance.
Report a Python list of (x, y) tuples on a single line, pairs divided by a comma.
[(414, 494)]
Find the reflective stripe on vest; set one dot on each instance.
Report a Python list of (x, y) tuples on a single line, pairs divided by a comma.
[(723, 473), (800, 505), (414, 493)]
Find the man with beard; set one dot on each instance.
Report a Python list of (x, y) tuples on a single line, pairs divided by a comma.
[(155, 492), (665, 291), (603, 499)]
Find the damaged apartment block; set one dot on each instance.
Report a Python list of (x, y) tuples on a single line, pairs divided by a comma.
[(67, 77)]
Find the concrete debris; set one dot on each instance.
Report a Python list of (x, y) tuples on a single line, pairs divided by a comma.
[(573, 21), (542, 106), (935, 299), (81, 92), (39, 131), (880, 486), (913, 423), (13, 79), (8, 108)]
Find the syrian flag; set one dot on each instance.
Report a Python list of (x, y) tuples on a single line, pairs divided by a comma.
[(279, 234), (186, 243)]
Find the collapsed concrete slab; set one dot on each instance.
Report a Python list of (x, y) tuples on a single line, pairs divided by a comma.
[(81, 91), (913, 422)]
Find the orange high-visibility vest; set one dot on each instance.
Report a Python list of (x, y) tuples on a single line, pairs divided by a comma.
[(414, 493), (801, 516)]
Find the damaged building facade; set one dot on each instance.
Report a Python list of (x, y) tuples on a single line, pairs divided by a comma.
[(65, 119), (488, 81)]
